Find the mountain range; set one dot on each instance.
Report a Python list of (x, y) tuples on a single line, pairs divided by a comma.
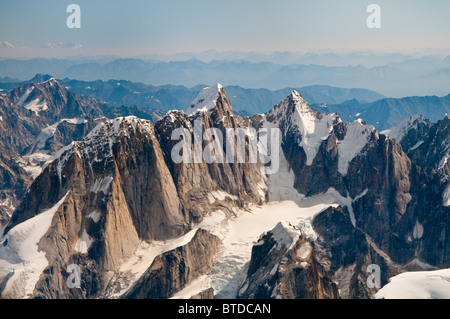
[(426, 75), (109, 200), (169, 97), (351, 104)]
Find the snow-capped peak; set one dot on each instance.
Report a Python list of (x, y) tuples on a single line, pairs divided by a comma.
[(294, 113), (286, 109), (399, 131), (298, 99), (205, 100)]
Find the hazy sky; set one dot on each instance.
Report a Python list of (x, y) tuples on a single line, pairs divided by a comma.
[(130, 28)]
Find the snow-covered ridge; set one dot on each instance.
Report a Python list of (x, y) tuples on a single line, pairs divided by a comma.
[(206, 99), (285, 234), (50, 81), (399, 131), (97, 145)]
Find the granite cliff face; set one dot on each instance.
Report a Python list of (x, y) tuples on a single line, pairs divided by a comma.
[(239, 184), (36, 120)]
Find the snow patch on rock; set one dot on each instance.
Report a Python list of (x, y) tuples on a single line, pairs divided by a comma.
[(20, 257), (357, 136)]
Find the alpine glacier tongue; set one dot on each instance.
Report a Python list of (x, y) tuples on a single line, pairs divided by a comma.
[(206, 99)]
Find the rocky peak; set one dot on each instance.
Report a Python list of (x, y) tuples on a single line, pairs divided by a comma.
[(298, 122), (52, 101), (427, 144), (293, 103), (207, 99), (283, 265), (212, 105)]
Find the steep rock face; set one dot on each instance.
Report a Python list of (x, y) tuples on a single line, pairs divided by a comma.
[(283, 265), (121, 191), (16, 133), (172, 271), (112, 151), (200, 184), (387, 195), (429, 145), (347, 251), (111, 206), (36, 120), (404, 203)]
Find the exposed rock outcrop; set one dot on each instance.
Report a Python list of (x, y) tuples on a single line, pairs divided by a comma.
[(347, 252), (283, 265), (172, 271)]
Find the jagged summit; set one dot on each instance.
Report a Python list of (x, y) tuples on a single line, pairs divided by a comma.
[(293, 105), (103, 137), (206, 100), (293, 115)]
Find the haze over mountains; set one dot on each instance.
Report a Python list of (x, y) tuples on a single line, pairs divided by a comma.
[(168, 97), (393, 75)]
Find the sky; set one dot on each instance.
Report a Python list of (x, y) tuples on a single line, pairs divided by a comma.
[(132, 28)]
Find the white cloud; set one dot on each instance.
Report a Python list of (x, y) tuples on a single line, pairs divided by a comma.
[(60, 45)]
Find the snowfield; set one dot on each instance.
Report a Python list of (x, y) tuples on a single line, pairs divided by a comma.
[(417, 285)]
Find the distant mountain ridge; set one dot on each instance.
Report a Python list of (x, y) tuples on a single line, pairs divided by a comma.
[(398, 77), (388, 112), (351, 104), (169, 97)]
